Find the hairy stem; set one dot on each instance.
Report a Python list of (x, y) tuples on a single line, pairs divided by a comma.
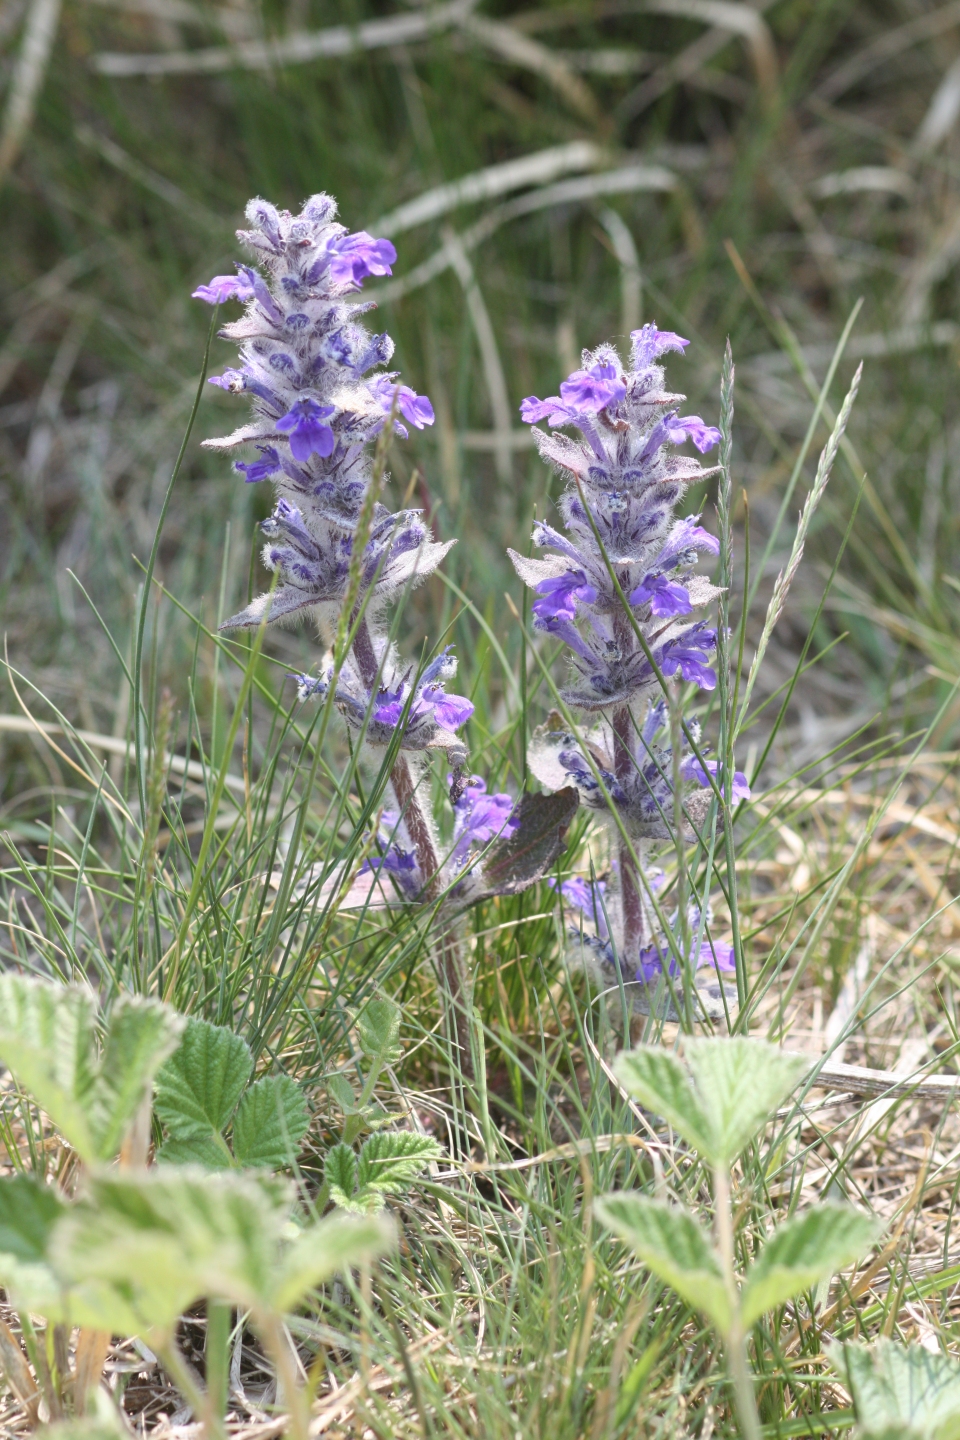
[(456, 979), (634, 916), (735, 1341)]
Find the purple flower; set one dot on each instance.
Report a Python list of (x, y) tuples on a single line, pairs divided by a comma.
[(593, 390), (688, 655), (587, 897), (654, 960), (414, 408), (480, 818), (450, 711), (431, 700), (257, 470), (559, 596), (582, 394), (649, 343), (308, 434), (236, 382), (398, 858), (691, 769), (354, 257), (665, 597), (685, 539), (261, 293), (223, 288), (674, 430)]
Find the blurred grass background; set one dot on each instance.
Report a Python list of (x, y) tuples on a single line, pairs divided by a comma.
[(777, 161)]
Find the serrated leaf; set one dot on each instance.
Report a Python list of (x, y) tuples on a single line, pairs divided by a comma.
[(340, 1089), (200, 1085), (335, 1243), (270, 1123), (802, 1251), (660, 1081), (391, 1159), (170, 1237), (340, 1170), (900, 1390), (28, 1213), (47, 1039), (378, 1029), (530, 852), (211, 1151), (140, 1035), (739, 1084), (674, 1246)]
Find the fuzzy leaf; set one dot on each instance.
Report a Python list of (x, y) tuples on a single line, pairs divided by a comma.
[(168, 1237), (529, 853), (365, 1201), (335, 1243), (340, 1172), (199, 1086), (739, 1083), (140, 1035), (28, 1213), (270, 1123), (378, 1029), (47, 1040), (808, 1248), (673, 1245), (210, 1151), (900, 1391), (391, 1159), (661, 1082), (340, 1089)]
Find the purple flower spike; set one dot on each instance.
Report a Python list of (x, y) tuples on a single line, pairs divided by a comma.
[(223, 288), (354, 257), (308, 435)]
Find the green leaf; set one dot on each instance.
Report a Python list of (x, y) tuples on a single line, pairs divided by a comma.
[(390, 1159), (169, 1237), (199, 1086), (660, 1081), (673, 1245), (804, 1250), (340, 1089), (211, 1151), (335, 1243), (47, 1039), (340, 1173), (270, 1123), (900, 1390), (739, 1083), (28, 1213), (530, 851), (378, 1028), (140, 1035)]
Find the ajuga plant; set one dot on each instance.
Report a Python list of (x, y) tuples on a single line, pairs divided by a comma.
[(323, 409), (621, 591)]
